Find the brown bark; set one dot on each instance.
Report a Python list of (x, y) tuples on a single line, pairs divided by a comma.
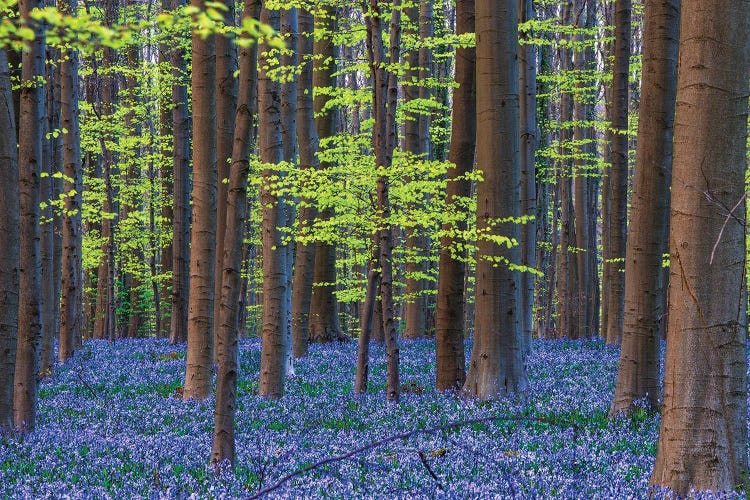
[(450, 358), (497, 366), (50, 228), (9, 227), (226, 108), (638, 375), (363, 349), (529, 139), (181, 125), (307, 137), (226, 346), (385, 92), (274, 348), (289, 59), (203, 234), (71, 308), (703, 434), (324, 308), (30, 129), (169, 200), (619, 172)]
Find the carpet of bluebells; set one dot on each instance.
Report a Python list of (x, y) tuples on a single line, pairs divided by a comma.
[(112, 425)]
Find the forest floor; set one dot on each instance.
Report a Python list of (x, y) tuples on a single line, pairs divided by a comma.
[(112, 424)]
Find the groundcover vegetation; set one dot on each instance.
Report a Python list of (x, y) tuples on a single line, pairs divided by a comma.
[(112, 424)]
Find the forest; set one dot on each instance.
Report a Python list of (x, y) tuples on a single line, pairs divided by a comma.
[(374, 249)]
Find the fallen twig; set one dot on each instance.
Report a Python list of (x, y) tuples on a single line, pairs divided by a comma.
[(405, 435)]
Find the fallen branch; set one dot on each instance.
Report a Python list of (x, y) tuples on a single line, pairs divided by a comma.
[(405, 435)]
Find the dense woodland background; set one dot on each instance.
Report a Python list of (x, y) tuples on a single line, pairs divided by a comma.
[(340, 171)]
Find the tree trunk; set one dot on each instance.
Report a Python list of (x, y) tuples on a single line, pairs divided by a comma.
[(497, 367), (226, 108), (228, 326), (30, 129), (324, 309), (50, 265), (619, 172), (9, 243), (181, 125), (582, 171), (703, 434), (71, 308), (383, 143), (273, 349), (289, 59), (203, 234), (307, 137), (449, 332), (638, 375), (363, 349), (529, 140)]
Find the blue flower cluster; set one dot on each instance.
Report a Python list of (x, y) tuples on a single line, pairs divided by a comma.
[(112, 425)]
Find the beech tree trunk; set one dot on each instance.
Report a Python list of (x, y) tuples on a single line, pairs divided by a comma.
[(9, 243), (30, 129), (497, 367), (181, 125), (203, 235), (638, 374), (449, 332), (307, 137), (289, 59), (324, 308), (71, 308), (226, 108), (703, 434), (273, 349), (618, 177), (223, 448)]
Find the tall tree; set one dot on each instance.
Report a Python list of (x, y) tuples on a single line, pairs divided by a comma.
[(203, 233), (289, 60), (618, 176), (9, 243), (385, 92), (274, 348), (450, 363), (638, 374), (307, 138), (104, 316), (30, 129), (527, 56), (324, 308), (703, 434), (417, 142), (226, 107), (181, 125), (497, 367), (228, 326), (71, 315)]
